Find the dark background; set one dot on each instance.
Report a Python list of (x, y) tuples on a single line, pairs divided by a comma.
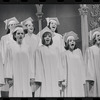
[(67, 14)]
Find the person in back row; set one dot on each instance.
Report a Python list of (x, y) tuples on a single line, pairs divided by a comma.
[(52, 24), (5, 40), (32, 40)]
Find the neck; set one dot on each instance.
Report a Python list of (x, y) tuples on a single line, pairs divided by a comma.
[(11, 31), (30, 33), (71, 49), (47, 45), (19, 42)]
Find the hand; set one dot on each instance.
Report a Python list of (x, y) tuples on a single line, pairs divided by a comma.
[(60, 83), (64, 83), (91, 83), (10, 82), (32, 80)]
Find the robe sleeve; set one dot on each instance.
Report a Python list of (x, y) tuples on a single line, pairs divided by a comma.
[(3, 48), (9, 63), (83, 67), (1, 68), (64, 66), (31, 65), (61, 74), (38, 66), (89, 60)]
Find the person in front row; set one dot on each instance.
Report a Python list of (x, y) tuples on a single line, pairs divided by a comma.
[(48, 67), (92, 58), (18, 62), (74, 66)]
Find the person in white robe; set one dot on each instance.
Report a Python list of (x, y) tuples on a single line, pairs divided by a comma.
[(9, 26), (18, 62), (74, 66), (48, 67), (52, 24), (1, 71), (92, 59), (32, 40)]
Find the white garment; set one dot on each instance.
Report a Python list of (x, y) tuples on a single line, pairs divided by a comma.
[(33, 42), (5, 40), (92, 59), (74, 73), (18, 68), (48, 71), (1, 70)]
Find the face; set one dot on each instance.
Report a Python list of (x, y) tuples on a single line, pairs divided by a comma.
[(98, 38), (53, 25), (11, 25), (47, 38), (72, 43), (19, 35), (30, 27)]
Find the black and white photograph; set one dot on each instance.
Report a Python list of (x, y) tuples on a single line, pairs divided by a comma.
[(49, 50)]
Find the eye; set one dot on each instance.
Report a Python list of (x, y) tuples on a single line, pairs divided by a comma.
[(18, 33), (22, 33)]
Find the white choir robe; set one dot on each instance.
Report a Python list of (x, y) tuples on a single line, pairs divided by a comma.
[(48, 71), (18, 68), (4, 42), (33, 42), (74, 73), (58, 42), (1, 70), (92, 59)]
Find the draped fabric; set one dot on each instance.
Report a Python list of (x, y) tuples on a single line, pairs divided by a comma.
[(74, 73), (33, 42), (18, 68), (1, 70), (5, 40), (92, 59), (48, 71)]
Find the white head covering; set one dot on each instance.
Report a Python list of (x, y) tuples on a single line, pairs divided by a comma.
[(94, 32), (46, 29), (10, 19), (53, 18), (19, 26), (69, 35), (25, 22)]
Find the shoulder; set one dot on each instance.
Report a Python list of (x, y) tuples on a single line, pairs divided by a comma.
[(4, 37), (40, 48), (79, 50), (59, 35), (91, 48)]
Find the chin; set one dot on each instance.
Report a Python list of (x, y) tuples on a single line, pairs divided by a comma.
[(53, 30), (72, 48)]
